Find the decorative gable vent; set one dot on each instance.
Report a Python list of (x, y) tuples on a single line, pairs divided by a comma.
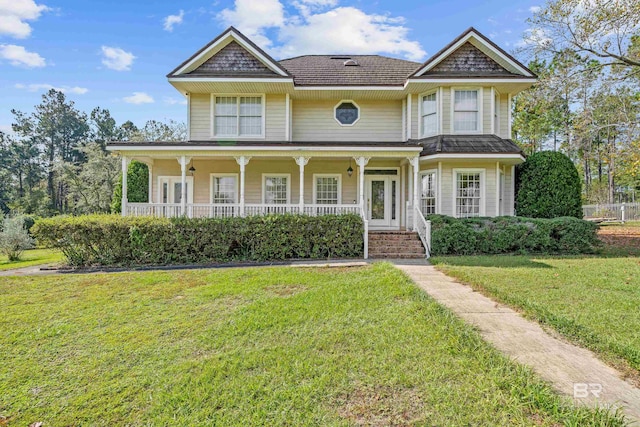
[(351, 63)]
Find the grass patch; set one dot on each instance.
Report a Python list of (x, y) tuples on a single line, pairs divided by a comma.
[(593, 301), (259, 346), (32, 257)]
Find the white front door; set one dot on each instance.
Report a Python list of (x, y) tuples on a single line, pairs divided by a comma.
[(382, 205)]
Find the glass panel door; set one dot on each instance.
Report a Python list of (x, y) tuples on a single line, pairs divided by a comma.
[(377, 202)]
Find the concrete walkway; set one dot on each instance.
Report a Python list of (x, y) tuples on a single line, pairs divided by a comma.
[(570, 369)]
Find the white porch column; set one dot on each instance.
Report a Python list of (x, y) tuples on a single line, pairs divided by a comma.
[(497, 188), (361, 162), (302, 162), (415, 166), (183, 185), (125, 199), (150, 183), (242, 162)]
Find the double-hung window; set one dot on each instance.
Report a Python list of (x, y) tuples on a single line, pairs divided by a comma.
[(429, 113), (238, 116), (327, 189), (276, 189), (428, 193), (468, 195), (466, 111), (224, 188)]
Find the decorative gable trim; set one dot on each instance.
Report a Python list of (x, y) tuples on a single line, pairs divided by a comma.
[(222, 41), (482, 44)]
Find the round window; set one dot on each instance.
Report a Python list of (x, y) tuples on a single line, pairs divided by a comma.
[(347, 113)]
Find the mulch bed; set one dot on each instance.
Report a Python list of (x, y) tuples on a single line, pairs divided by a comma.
[(620, 236)]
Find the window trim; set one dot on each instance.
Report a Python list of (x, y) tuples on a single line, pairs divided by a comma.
[(435, 187), (212, 115), (173, 178), (276, 175), (483, 185), (327, 175), (335, 109), (495, 116), (480, 113), (437, 113), (222, 175)]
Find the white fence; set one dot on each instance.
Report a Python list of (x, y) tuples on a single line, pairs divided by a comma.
[(612, 212)]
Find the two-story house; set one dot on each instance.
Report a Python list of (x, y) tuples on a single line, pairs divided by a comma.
[(390, 139)]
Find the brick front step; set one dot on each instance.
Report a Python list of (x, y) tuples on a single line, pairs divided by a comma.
[(395, 244)]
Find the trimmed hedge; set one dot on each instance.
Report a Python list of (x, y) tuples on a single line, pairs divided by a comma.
[(116, 240), (503, 235), (548, 187)]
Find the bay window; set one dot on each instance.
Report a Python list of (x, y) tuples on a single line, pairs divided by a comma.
[(469, 197), (428, 192)]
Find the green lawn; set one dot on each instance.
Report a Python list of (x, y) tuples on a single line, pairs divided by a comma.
[(593, 301), (32, 257), (257, 346)]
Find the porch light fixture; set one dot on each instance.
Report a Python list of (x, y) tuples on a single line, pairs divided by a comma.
[(349, 169), (192, 170)]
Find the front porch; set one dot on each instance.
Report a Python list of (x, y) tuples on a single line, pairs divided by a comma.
[(380, 186)]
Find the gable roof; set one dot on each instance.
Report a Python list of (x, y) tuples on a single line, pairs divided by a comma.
[(233, 57), (477, 51), (330, 70)]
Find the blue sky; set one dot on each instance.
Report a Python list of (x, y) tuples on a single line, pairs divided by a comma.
[(116, 57)]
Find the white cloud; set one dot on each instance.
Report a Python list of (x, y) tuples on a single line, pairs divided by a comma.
[(116, 58), (319, 27), (492, 21), (20, 57), (535, 9), (252, 17), (6, 129), (37, 87), (138, 98), (534, 37), (14, 13), (172, 20), (173, 101)]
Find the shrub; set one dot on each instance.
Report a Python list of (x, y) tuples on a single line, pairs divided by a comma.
[(503, 235), (14, 237), (137, 186), (116, 240), (549, 187)]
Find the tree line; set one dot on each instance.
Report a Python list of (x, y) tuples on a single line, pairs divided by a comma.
[(56, 162), (586, 102)]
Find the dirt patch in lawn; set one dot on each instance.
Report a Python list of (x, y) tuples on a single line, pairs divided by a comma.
[(620, 236), (381, 406), (286, 290)]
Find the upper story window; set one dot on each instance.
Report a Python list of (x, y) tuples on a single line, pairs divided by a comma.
[(429, 113), (466, 111), (347, 113), (238, 116)]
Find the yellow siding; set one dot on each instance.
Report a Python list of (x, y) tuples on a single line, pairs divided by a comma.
[(487, 112), (200, 115), (415, 116), (504, 116), (446, 110), (448, 184), (379, 121)]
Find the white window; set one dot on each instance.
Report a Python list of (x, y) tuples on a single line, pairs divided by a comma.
[(327, 189), (238, 116), (428, 192), (469, 198), (224, 188), (170, 189), (466, 111), (429, 113), (276, 188), (346, 113)]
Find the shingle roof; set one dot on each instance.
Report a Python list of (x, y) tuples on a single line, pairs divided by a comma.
[(467, 144), (372, 70), (233, 59)]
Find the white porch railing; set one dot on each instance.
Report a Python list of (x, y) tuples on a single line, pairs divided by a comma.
[(423, 226), (224, 210), (614, 212)]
